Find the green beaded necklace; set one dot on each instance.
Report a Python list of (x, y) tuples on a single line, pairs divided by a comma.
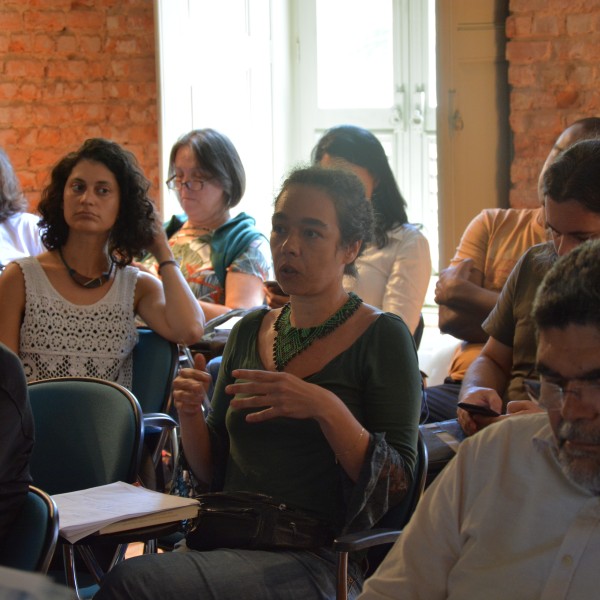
[(290, 341)]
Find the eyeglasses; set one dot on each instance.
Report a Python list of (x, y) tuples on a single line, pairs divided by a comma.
[(194, 185), (552, 395)]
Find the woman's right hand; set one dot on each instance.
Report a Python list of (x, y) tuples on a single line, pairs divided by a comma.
[(190, 388)]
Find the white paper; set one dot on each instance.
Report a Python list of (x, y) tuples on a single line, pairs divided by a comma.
[(227, 325), (84, 512)]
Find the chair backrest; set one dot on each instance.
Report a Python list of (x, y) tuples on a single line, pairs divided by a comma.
[(31, 539), (398, 516), (418, 334), (155, 362), (88, 432)]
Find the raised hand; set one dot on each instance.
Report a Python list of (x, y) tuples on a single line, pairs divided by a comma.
[(190, 387)]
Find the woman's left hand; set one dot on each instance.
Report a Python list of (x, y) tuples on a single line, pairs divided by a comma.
[(279, 394)]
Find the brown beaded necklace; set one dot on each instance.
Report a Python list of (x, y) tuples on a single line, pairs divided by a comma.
[(84, 281)]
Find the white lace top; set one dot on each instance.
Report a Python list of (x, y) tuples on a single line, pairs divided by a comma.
[(60, 339)]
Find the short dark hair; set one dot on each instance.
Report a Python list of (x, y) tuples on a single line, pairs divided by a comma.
[(12, 200), (133, 229), (360, 147), (575, 175), (570, 291), (590, 126), (218, 157), (353, 210)]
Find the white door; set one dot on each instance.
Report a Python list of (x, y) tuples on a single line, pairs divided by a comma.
[(372, 64)]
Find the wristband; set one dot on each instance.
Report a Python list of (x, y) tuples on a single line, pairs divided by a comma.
[(164, 263)]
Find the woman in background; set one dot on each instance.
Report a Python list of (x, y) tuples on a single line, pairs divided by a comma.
[(71, 311), (394, 270), (224, 260), (19, 232)]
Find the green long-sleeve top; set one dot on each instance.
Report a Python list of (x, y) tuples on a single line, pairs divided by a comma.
[(377, 377)]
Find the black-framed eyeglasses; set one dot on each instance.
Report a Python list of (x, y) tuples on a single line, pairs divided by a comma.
[(194, 185)]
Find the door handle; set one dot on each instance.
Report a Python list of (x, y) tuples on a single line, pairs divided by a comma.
[(455, 120)]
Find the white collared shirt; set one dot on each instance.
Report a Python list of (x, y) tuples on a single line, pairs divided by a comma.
[(501, 522)]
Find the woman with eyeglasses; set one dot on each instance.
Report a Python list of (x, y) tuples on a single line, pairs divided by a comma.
[(224, 260)]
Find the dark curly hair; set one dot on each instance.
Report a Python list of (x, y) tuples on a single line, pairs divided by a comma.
[(133, 229), (353, 210), (360, 147), (12, 200), (217, 157)]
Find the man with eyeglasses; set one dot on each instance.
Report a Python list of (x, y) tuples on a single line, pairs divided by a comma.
[(495, 380), (516, 514)]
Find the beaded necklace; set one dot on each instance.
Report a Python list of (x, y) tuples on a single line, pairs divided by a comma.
[(290, 341), (84, 281)]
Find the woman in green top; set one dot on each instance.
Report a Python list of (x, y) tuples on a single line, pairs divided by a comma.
[(317, 405)]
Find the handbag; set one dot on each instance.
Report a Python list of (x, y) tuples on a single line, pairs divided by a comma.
[(245, 520)]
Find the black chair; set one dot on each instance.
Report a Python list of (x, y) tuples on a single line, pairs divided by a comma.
[(418, 334), (31, 539), (379, 540)]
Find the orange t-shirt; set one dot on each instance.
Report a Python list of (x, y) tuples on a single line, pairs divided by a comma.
[(495, 240)]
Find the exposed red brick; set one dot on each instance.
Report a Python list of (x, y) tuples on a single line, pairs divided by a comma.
[(26, 68), (518, 26), (566, 98), (528, 51), (551, 85), (58, 86), (66, 44), (85, 20), (49, 136), (11, 20), (578, 24), (44, 20), (546, 25)]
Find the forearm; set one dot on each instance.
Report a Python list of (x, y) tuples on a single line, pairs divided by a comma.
[(466, 305), (196, 444), (347, 438), (468, 297), (461, 325), (484, 372), (212, 310), (183, 313)]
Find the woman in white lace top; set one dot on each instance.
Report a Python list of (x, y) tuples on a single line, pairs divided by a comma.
[(71, 310)]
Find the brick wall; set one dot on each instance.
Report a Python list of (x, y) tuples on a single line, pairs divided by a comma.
[(73, 69), (554, 67)]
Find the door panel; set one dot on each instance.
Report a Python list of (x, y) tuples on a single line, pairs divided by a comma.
[(473, 129)]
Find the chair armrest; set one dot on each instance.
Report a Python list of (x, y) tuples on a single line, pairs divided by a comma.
[(365, 539), (161, 420)]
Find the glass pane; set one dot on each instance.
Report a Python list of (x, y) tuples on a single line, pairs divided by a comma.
[(355, 54)]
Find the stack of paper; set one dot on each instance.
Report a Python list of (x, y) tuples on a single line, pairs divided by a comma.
[(118, 507)]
